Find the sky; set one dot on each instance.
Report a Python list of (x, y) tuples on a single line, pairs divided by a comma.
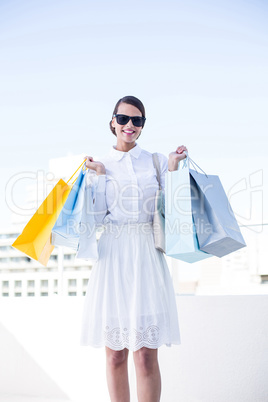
[(199, 67)]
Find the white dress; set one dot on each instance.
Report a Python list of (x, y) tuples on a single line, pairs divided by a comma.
[(130, 300)]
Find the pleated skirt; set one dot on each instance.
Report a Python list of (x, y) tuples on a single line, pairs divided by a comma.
[(130, 300)]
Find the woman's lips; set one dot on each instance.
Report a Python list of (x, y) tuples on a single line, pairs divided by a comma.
[(129, 133)]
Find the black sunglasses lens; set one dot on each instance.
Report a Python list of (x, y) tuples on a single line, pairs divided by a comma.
[(122, 119), (137, 121)]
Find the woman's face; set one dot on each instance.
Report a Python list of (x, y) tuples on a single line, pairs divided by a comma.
[(127, 133)]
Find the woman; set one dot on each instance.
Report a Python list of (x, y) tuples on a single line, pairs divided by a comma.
[(130, 302)]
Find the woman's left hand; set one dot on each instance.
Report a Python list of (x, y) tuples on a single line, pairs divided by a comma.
[(176, 157)]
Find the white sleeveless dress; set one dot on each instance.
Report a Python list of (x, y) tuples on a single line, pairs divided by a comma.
[(130, 300)]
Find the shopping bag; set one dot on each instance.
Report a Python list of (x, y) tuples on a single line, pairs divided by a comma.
[(181, 239), (87, 244), (159, 218), (217, 230), (35, 239), (65, 232)]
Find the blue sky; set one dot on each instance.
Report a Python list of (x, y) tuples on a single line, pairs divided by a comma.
[(200, 68)]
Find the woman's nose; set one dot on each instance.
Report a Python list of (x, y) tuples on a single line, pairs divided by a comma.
[(129, 123)]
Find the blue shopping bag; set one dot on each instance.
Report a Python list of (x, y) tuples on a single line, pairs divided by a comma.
[(180, 231), (66, 229), (217, 230)]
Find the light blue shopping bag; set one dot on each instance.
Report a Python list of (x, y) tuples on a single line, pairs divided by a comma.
[(180, 232), (87, 245), (66, 229), (217, 230)]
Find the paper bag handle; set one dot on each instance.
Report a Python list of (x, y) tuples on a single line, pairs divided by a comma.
[(193, 163), (75, 173)]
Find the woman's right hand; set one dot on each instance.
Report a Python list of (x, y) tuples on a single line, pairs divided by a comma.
[(97, 166)]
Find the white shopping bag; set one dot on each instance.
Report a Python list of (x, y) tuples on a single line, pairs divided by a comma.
[(180, 232)]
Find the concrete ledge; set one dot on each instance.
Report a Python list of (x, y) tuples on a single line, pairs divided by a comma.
[(223, 356)]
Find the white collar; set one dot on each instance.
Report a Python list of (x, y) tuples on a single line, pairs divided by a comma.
[(117, 155)]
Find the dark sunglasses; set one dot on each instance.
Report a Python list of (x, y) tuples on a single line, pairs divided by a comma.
[(122, 119)]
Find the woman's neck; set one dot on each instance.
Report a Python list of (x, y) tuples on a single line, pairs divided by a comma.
[(125, 147)]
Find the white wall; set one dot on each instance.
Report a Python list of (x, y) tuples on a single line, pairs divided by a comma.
[(20, 374), (223, 356)]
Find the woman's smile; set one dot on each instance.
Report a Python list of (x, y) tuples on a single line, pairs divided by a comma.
[(129, 132)]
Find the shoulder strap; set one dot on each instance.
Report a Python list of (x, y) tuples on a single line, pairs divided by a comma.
[(157, 168)]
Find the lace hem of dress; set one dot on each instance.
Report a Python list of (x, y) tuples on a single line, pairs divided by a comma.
[(117, 338), (135, 339)]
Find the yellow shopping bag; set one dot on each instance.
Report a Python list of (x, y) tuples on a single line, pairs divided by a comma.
[(34, 240)]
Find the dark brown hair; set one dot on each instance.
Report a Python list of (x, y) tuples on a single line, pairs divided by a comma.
[(131, 100)]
